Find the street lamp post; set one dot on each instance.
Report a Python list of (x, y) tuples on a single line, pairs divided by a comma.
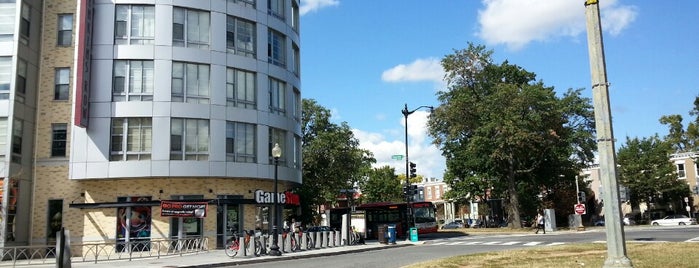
[(406, 113), (274, 249)]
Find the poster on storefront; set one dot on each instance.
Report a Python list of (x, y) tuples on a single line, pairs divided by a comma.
[(183, 209)]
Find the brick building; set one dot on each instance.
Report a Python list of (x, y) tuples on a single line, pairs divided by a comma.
[(110, 108)]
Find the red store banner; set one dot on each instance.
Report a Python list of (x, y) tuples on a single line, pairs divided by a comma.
[(183, 209)]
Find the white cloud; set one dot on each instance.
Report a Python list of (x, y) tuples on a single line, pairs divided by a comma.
[(515, 23), (429, 69), (427, 157), (314, 5)]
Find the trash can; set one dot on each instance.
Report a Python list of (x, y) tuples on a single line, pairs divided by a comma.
[(413, 234), (382, 234), (392, 234)]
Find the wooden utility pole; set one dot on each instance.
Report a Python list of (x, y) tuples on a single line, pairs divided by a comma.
[(616, 245)]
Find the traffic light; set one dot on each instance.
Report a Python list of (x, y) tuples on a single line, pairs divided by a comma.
[(581, 197), (406, 190), (413, 189), (412, 170)]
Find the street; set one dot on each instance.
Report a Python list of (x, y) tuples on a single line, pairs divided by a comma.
[(445, 245)]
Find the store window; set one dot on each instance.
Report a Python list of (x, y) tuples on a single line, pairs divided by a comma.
[(54, 220), (133, 225), (186, 227)]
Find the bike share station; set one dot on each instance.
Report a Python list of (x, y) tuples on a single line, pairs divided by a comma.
[(254, 243)]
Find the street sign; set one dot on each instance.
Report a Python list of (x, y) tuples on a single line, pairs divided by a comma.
[(397, 157), (580, 209)]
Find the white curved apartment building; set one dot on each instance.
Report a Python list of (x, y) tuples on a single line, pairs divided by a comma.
[(143, 103)]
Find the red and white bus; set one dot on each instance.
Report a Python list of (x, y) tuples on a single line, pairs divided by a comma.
[(378, 214)]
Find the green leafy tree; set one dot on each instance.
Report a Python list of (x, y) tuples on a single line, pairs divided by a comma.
[(645, 168), (683, 140), (382, 185), (500, 129), (332, 159)]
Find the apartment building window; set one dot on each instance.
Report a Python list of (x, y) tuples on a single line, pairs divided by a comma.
[(135, 25), (275, 48), (681, 172), (17, 134), (277, 136), (240, 88), (297, 104), (5, 77), (21, 80), (437, 193), (276, 8), (190, 82), (240, 37), (190, 28), (61, 81), (295, 59), (429, 193), (277, 91), (25, 23), (297, 151), (65, 30), (132, 139), (295, 16), (245, 3), (189, 139), (133, 80), (240, 142), (59, 138), (3, 137), (7, 21)]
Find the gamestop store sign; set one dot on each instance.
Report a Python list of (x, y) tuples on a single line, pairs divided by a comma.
[(288, 198)]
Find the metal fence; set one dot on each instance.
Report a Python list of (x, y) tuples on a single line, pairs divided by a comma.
[(96, 252)]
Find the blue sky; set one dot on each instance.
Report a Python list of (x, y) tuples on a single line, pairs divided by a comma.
[(365, 59)]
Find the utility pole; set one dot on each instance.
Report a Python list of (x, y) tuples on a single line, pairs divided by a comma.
[(616, 245)]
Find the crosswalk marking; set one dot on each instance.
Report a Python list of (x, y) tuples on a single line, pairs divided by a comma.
[(493, 243)]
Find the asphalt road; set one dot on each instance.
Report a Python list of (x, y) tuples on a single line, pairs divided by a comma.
[(444, 245)]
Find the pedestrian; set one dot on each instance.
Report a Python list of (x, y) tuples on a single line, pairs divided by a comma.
[(540, 223)]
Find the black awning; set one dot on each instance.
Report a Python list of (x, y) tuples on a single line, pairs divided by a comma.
[(156, 203), (114, 204)]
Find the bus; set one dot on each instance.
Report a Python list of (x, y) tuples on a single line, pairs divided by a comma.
[(378, 214)]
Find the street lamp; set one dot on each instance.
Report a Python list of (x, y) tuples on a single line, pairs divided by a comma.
[(406, 113), (274, 249)]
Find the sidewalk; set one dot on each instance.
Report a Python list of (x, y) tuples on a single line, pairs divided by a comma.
[(218, 258)]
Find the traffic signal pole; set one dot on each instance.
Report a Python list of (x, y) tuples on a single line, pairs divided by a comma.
[(406, 113)]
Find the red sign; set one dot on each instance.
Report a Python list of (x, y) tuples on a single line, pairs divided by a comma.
[(580, 209)]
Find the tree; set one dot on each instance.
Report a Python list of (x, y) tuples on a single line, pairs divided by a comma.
[(332, 159), (683, 140), (645, 168), (500, 129), (382, 185)]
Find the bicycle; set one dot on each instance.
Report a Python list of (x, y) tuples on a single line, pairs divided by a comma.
[(309, 239), (259, 249), (355, 238), (233, 245), (292, 239)]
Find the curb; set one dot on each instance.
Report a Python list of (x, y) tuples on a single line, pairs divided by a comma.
[(292, 257)]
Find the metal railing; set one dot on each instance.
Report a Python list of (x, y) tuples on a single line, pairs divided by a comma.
[(106, 251)]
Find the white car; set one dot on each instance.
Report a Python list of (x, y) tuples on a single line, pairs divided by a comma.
[(675, 220)]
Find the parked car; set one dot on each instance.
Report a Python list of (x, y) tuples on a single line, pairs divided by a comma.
[(625, 221), (453, 225), (677, 219)]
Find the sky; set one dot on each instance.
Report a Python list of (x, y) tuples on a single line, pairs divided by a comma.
[(366, 59)]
